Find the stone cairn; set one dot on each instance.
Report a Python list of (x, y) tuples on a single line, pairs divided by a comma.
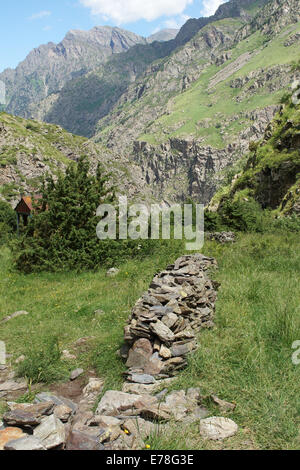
[(162, 328)]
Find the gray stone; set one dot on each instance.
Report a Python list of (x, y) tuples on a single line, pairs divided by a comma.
[(217, 428), (57, 400), (79, 440), (12, 386), (25, 443), (51, 432), (76, 373), (24, 415), (112, 272), (170, 320), (114, 403), (141, 379), (63, 413), (162, 331), (183, 349)]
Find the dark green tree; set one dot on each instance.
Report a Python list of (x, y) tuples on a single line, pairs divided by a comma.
[(61, 234)]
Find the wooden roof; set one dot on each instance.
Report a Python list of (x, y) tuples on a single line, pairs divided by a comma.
[(25, 205)]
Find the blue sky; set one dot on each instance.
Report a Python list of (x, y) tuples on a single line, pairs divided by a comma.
[(27, 24)]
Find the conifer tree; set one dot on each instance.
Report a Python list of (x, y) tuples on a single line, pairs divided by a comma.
[(62, 232)]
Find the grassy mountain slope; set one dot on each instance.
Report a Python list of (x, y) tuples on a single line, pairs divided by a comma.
[(271, 174), (30, 149)]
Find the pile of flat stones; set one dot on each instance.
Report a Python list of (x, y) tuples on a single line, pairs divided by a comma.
[(221, 237), (162, 329)]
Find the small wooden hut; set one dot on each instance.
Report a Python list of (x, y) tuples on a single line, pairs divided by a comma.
[(24, 209)]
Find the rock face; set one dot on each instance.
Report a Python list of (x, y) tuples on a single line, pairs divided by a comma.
[(271, 174), (164, 323)]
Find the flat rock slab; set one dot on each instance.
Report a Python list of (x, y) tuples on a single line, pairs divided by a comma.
[(114, 403), (51, 432), (78, 440), (10, 434), (25, 443), (12, 386), (57, 400), (142, 379), (162, 331), (217, 428)]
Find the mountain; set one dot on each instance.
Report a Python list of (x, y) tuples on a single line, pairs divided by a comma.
[(190, 116), (49, 67), (77, 91), (178, 116), (30, 149), (163, 35)]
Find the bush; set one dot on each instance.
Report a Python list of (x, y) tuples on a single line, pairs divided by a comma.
[(43, 363), (244, 216), (288, 224)]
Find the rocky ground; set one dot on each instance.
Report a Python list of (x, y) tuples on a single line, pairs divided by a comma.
[(161, 333)]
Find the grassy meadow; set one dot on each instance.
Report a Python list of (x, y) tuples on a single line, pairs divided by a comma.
[(245, 359)]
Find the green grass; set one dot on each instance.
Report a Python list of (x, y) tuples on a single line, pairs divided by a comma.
[(246, 359)]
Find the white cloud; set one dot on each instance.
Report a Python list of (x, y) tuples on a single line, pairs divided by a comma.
[(127, 11), (40, 15), (211, 6), (176, 23)]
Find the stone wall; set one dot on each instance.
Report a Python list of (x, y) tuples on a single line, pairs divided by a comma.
[(162, 329)]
